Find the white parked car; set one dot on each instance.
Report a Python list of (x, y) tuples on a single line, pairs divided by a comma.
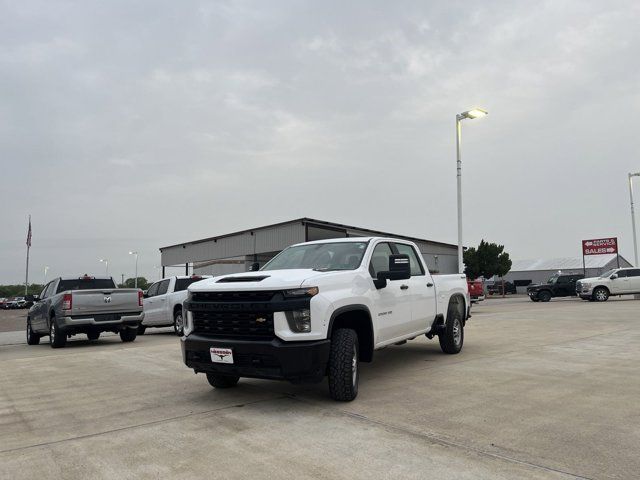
[(318, 309), (163, 302), (617, 281)]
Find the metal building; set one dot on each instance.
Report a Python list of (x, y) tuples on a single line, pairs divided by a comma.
[(539, 270), (235, 252)]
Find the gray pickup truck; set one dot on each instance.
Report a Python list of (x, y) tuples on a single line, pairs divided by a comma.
[(89, 305)]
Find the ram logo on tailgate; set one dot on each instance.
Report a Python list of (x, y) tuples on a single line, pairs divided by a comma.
[(107, 299)]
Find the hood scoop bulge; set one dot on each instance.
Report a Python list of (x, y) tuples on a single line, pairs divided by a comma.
[(242, 279)]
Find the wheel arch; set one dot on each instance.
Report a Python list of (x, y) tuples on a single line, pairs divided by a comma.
[(358, 318), (458, 298)]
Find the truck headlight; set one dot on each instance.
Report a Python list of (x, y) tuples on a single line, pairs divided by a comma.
[(187, 319), (301, 292), (586, 287), (299, 320)]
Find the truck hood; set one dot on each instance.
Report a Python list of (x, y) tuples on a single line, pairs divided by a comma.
[(591, 280), (261, 280)]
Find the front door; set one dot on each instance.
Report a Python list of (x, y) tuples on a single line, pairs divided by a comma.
[(151, 305), (421, 290), (392, 304)]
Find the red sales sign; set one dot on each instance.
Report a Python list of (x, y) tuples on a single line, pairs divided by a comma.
[(600, 246)]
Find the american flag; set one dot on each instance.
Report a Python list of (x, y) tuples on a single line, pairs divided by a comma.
[(29, 233)]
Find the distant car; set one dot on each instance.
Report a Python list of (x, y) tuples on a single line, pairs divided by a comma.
[(558, 285), (15, 303), (476, 290), (617, 281), (496, 288), (3, 302)]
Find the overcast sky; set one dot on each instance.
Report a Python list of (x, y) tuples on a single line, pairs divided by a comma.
[(139, 124)]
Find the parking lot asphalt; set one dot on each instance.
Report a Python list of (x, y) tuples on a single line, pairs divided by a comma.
[(539, 391)]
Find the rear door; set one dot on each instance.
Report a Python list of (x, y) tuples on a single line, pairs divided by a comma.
[(563, 286), (392, 304), (150, 305), (422, 296), (633, 277), (161, 316)]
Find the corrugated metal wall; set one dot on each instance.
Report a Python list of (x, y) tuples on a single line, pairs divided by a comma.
[(439, 258)]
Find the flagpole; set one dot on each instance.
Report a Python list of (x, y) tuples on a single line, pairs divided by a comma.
[(26, 276)]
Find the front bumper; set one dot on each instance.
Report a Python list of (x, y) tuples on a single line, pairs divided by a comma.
[(271, 359)]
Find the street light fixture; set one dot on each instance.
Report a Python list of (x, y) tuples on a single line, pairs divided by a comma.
[(470, 114), (106, 265), (136, 279), (633, 217)]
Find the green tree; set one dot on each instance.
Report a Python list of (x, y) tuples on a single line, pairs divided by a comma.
[(488, 260), (143, 283)]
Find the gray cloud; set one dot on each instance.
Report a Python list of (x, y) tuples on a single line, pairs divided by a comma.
[(136, 125)]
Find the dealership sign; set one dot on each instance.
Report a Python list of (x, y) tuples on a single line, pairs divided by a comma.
[(600, 246)]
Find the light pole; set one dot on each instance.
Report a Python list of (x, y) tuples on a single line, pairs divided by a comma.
[(633, 217), (106, 265), (136, 279), (44, 279), (470, 114)]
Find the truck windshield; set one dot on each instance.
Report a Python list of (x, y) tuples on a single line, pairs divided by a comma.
[(608, 273), (86, 284), (320, 256)]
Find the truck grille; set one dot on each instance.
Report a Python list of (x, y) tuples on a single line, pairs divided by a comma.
[(258, 296), (248, 325)]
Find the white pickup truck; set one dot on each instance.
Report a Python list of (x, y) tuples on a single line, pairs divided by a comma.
[(318, 309), (617, 281), (163, 302)]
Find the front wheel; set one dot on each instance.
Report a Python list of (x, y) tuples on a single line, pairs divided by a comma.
[(128, 334), (178, 323), (343, 365), (544, 296), (452, 338), (601, 294), (93, 335), (32, 338), (222, 381)]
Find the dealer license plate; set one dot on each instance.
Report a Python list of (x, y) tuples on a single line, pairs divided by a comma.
[(221, 355)]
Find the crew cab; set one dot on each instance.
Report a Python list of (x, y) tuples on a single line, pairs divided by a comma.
[(163, 302), (558, 285), (89, 305), (617, 281), (319, 309)]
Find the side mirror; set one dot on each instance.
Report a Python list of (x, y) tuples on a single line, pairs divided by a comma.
[(399, 269), (255, 266), (145, 294), (614, 276)]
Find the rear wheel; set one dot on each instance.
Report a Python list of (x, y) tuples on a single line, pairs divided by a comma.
[(57, 336), (601, 294), (452, 338), (178, 322), (544, 296), (343, 365), (222, 381), (93, 335), (32, 338), (128, 334)]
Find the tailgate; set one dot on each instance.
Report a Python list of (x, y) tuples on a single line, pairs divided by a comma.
[(117, 300)]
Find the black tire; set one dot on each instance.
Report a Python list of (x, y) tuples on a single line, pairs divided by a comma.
[(178, 322), (128, 334), (601, 294), (222, 381), (452, 338), (544, 296), (141, 329), (32, 337), (534, 299), (343, 365), (57, 336), (93, 335)]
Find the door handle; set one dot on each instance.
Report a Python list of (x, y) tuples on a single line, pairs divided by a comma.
[(404, 287), (429, 284)]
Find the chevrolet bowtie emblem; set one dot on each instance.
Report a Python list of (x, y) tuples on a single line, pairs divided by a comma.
[(261, 320)]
